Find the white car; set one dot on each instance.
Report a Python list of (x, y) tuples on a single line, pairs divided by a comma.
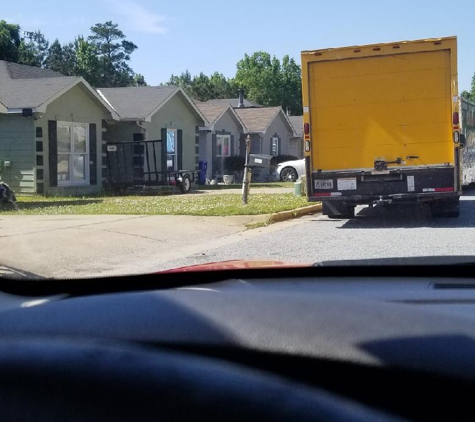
[(290, 171)]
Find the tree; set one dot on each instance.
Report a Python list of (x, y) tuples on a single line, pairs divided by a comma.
[(291, 88), (139, 80), (113, 52), (222, 87), (203, 87), (183, 81), (466, 94), (88, 65), (268, 82), (9, 41), (33, 49), (55, 59)]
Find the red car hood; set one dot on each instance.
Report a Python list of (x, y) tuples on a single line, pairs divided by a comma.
[(234, 265)]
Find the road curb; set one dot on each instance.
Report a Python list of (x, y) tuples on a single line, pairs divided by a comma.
[(299, 212)]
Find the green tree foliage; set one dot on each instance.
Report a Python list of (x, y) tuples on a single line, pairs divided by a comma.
[(470, 95), (269, 82), (139, 80), (9, 41), (88, 64), (203, 87), (113, 52), (33, 49), (102, 58), (183, 81)]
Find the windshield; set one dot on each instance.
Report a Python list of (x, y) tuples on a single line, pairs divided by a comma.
[(139, 137)]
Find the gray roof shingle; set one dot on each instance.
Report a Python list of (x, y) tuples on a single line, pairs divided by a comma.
[(24, 89), (212, 110), (233, 102), (21, 71), (257, 119), (297, 124), (137, 102)]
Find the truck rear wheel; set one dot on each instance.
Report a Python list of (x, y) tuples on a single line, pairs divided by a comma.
[(445, 208), (334, 210)]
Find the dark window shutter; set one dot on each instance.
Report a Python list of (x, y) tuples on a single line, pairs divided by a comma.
[(214, 147), (92, 154), (164, 149), (179, 148), (53, 152), (232, 145)]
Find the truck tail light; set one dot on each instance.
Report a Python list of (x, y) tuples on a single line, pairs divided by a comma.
[(456, 137), (455, 118), (306, 128), (307, 146)]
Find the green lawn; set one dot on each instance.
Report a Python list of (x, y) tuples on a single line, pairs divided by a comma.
[(239, 186), (203, 205)]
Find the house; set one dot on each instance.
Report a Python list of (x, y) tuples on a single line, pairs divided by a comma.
[(232, 120), (296, 142), (164, 114), (50, 131), (220, 138)]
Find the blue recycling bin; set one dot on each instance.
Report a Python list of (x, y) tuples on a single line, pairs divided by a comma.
[(202, 166)]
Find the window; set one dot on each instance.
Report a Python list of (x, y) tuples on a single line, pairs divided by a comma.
[(73, 153), (172, 163), (274, 148), (223, 145)]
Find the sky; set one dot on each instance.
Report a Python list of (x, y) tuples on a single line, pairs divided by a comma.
[(213, 35)]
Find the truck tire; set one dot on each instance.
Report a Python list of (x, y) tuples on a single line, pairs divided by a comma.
[(446, 208), (338, 211)]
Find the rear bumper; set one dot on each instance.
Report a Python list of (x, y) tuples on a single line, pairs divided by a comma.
[(401, 185), (399, 198)]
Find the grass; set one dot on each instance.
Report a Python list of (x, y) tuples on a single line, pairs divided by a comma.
[(251, 226), (200, 205), (239, 186)]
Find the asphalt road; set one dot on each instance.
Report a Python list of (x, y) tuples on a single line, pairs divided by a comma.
[(84, 246), (374, 233)]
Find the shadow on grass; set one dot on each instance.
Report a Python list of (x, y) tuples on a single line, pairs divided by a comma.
[(24, 206)]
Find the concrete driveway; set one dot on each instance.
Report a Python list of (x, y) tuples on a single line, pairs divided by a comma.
[(81, 246)]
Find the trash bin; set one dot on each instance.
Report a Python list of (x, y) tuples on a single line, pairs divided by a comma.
[(298, 188), (203, 167)]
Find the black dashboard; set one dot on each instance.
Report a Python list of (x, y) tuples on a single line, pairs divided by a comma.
[(341, 344)]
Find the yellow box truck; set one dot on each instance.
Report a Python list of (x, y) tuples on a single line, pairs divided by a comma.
[(382, 126)]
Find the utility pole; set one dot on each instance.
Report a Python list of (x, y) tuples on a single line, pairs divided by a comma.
[(246, 181)]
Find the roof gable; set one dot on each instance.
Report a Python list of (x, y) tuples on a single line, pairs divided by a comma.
[(21, 71), (297, 124), (24, 86), (136, 103), (257, 120), (141, 103)]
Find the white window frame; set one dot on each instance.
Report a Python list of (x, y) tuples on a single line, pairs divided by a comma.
[(277, 142), (222, 137), (71, 181), (175, 154)]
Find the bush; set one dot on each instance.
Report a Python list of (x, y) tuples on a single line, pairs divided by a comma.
[(234, 164)]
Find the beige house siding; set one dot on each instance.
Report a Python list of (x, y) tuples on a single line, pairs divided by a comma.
[(121, 131), (280, 129), (76, 105), (17, 146), (228, 125), (177, 114)]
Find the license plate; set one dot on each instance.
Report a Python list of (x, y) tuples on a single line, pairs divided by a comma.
[(324, 184)]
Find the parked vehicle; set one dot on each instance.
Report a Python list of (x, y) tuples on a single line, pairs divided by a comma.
[(290, 171), (382, 130)]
